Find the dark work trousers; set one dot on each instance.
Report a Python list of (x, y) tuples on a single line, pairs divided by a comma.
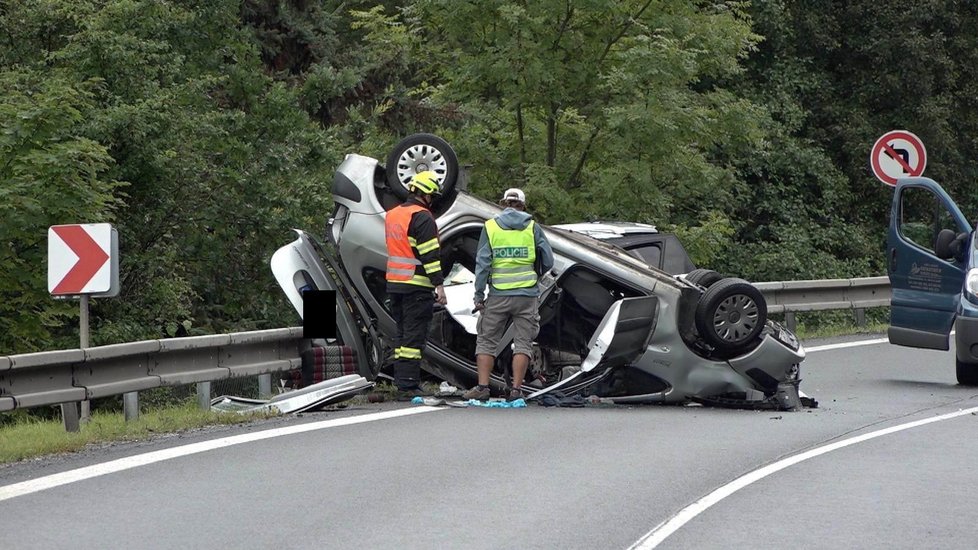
[(412, 313)]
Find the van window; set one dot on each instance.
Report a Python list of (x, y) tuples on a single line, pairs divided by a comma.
[(922, 217)]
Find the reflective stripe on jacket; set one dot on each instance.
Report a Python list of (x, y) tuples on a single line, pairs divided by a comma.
[(513, 254), (404, 253)]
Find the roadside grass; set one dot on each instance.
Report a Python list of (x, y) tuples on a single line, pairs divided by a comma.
[(806, 333), (832, 323), (28, 436)]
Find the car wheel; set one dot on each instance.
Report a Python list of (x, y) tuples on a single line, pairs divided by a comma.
[(703, 277), (731, 315), (417, 153), (967, 373), (376, 356)]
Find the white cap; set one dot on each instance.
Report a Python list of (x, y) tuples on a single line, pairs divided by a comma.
[(514, 194)]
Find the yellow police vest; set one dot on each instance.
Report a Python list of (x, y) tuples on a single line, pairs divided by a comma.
[(513, 254)]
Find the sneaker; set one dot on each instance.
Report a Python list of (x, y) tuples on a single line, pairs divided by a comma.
[(512, 394), (479, 393), (409, 394)]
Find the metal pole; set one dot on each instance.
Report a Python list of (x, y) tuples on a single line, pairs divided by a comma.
[(86, 405), (789, 319), (69, 411), (860, 317), (69, 414), (264, 386), (204, 395), (130, 405)]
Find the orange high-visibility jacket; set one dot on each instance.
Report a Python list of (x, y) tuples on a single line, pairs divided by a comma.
[(413, 251)]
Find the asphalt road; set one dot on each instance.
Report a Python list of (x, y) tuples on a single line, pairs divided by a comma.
[(550, 478)]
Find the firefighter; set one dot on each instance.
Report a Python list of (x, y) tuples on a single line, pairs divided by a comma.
[(414, 278)]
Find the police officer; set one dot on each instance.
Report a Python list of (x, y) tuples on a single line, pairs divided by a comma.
[(413, 272), (508, 247)]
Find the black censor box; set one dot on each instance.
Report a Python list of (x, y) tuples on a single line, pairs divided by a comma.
[(319, 314)]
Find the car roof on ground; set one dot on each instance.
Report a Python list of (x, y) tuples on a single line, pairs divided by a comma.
[(608, 230)]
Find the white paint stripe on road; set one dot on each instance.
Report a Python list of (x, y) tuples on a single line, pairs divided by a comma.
[(88, 472), (655, 537), (842, 345)]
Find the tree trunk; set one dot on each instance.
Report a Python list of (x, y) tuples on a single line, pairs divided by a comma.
[(519, 134), (552, 135)]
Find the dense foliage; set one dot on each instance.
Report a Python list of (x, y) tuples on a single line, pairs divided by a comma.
[(205, 130)]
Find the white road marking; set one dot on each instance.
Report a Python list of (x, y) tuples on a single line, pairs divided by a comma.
[(656, 536), (842, 345), (88, 472)]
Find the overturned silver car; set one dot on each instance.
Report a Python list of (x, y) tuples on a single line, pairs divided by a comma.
[(610, 325)]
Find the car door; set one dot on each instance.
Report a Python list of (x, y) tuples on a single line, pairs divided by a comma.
[(297, 267), (621, 337), (925, 287)]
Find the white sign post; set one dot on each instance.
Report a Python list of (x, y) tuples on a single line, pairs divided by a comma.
[(83, 261)]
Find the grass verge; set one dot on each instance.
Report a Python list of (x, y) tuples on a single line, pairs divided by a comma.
[(29, 437), (811, 333)]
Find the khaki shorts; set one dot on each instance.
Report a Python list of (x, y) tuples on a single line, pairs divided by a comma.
[(525, 314)]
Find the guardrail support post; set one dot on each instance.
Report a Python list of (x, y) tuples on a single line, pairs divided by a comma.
[(204, 395), (264, 386), (69, 414), (860, 317), (130, 405), (789, 319)]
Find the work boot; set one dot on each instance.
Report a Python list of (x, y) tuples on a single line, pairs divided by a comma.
[(512, 394), (409, 394), (479, 393)]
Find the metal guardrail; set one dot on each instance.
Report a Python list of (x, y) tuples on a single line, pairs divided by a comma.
[(793, 296), (66, 376), (52, 377)]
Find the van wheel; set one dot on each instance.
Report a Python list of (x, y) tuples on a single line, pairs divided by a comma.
[(418, 153), (967, 373), (731, 315), (703, 277)]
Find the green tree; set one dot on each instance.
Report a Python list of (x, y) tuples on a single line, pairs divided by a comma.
[(835, 77), (49, 175), (221, 160), (601, 109)]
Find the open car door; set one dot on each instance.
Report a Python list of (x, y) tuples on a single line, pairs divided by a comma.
[(926, 262), (622, 337), (299, 266)]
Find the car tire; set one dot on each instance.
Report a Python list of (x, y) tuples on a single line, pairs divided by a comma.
[(377, 355), (703, 277), (967, 373), (731, 315), (417, 153)]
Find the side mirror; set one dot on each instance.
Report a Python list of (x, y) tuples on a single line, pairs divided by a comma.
[(942, 244), (959, 246), (949, 245)]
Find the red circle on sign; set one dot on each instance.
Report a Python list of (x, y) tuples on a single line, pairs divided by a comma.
[(882, 146)]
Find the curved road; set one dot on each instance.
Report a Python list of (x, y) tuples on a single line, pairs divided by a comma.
[(601, 477)]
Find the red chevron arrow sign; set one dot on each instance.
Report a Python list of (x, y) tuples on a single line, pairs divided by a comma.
[(83, 259)]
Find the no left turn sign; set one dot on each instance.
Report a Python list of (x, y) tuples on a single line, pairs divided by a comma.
[(897, 154)]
